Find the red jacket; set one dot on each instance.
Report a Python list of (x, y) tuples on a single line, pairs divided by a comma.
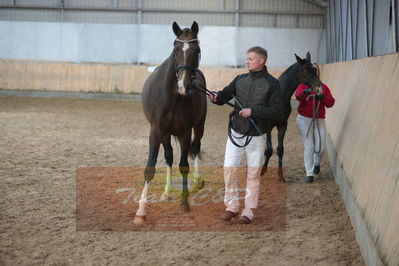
[(305, 107)]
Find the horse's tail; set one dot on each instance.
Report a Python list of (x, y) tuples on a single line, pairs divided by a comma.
[(195, 150)]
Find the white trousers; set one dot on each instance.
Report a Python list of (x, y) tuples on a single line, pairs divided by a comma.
[(254, 152), (312, 158)]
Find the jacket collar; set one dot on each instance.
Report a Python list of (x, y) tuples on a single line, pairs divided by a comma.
[(260, 73)]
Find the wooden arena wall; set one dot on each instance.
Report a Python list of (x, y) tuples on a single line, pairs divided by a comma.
[(91, 77), (363, 129)]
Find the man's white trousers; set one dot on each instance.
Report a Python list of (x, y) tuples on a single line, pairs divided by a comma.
[(254, 153)]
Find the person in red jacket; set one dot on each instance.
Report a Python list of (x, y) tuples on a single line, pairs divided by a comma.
[(311, 124)]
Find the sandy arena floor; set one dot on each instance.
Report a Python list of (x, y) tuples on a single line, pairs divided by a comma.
[(44, 141)]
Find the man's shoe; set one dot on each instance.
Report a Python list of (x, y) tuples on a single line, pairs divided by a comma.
[(228, 215), (244, 220), (316, 170), (309, 179)]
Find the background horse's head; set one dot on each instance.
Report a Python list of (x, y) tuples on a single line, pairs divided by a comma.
[(187, 55), (308, 72)]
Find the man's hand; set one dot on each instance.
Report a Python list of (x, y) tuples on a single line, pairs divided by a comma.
[(245, 112), (213, 97)]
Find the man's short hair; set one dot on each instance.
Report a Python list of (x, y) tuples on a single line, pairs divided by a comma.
[(259, 50)]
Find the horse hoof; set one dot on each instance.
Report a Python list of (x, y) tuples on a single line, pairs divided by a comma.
[(199, 184), (184, 208), (139, 220)]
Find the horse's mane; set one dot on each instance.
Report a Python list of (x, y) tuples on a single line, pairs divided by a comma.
[(288, 81)]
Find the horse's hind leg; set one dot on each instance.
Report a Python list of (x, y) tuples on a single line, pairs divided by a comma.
[(280, 149), (168, 152), (184, 169), (268, 151), (149, 173), (195, 149)]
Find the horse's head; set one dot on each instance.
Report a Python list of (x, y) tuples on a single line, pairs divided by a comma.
[(308, 72), (187, 56)]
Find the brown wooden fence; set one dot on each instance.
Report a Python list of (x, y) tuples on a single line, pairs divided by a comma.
[(70, 77)]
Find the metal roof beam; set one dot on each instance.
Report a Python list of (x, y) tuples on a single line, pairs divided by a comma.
[(322, 3), (164, 10)]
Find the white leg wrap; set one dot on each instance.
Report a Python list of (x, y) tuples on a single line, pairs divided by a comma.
[(166, 193), (196, 167), (143, 200)]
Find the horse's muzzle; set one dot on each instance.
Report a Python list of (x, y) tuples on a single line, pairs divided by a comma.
[(183, 89), (316, 84)]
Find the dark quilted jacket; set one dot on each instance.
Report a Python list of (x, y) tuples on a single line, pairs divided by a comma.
[(256, 90)]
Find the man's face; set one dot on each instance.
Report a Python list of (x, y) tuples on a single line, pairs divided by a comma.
[(255, 62)]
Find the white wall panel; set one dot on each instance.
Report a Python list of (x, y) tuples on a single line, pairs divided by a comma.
[(281, 44), (151, 44)]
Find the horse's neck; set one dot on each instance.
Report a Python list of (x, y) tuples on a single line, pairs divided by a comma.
[(289, 81), (171, 77), (168, 71)]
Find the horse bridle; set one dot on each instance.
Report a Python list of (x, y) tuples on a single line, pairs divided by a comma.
[(192, 69), (305, 77)]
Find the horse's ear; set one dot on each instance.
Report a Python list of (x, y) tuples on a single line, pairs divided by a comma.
[(176, 29), (194, 28), (298, 59), (308, 57)]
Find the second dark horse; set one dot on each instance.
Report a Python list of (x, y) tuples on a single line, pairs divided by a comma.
[(303, 71), (173, 107)]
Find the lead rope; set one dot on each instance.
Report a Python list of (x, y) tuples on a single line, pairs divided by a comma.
[(315, 123), (231, 135), (249, 138)]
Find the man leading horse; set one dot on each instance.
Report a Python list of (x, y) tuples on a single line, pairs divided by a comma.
[(257, 100)]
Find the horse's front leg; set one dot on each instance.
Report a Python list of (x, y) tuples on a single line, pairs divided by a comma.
[(149, 172), (280, 149), (195, 149), (184, 170), (268, 151), (168, 151)]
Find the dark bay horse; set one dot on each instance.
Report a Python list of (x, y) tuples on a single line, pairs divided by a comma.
[(302, 71), (173, 107)]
